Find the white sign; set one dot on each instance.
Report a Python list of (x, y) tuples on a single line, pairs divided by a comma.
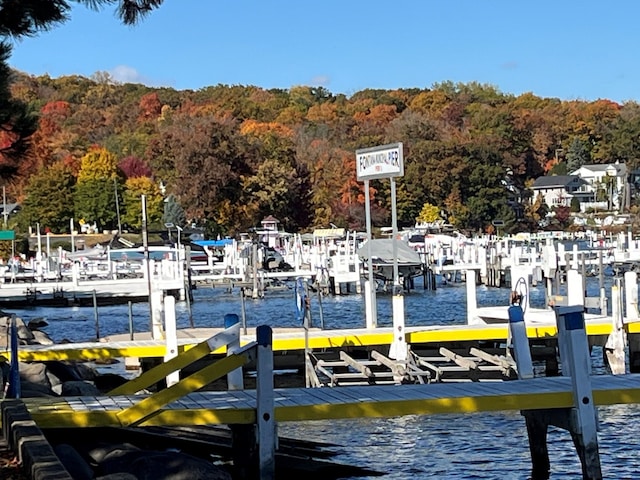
[(384, 161)]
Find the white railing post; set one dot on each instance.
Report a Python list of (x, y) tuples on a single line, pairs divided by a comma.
[(265, 417), (171, 334)]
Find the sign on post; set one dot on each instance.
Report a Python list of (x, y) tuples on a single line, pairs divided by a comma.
[(385, 161), (7, 235)]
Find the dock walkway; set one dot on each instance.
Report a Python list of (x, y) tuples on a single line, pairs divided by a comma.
[(566, 401), (303, 404), (293, 339)]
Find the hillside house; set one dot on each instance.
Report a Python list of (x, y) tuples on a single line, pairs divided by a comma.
[(558, 190), (609, 184), (598, 187)]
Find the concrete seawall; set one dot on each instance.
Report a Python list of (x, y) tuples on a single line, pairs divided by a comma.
[(24, 437)]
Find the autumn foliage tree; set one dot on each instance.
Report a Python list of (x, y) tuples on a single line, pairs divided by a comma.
[(230, 155), (19, 19), (49, 199), (97, 187), (135, 188)]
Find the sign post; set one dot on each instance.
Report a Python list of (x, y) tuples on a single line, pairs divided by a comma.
[(385, 161)]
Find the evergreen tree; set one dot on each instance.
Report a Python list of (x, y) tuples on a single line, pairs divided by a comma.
[(173, 212), (577, 155)]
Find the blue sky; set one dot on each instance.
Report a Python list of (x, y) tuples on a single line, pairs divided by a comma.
[(568, 49)]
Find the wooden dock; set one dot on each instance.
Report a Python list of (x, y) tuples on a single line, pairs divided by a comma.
[(566, 401), (304, 404), (84, 292), (293, 339)]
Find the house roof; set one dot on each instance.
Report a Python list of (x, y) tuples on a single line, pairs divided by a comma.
[(621, 168), (270, 219), (554, 181)]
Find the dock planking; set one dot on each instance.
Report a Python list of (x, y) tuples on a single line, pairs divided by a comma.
[(304, 404), (293, 339)]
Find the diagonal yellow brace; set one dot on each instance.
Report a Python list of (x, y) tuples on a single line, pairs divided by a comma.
[(151, 405), (161, 371)]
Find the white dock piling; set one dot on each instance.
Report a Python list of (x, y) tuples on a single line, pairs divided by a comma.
[(520, 341), (171, 334), (156, 301), (575, 290), (398, 349), (614, 348), (235, 378), (631, 302), (265, 418), (631, 295), (472, 301), (577, 365)]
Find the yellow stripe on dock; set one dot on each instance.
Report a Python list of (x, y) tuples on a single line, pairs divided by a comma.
[(295, 340), (302, 404)]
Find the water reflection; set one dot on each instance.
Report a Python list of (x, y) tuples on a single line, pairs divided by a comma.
[(473, 446)]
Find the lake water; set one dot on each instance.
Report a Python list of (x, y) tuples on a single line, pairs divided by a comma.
[(473, 446)]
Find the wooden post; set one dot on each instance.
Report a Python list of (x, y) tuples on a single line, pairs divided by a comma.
[(537, 428), (580, 420), (243, 437)]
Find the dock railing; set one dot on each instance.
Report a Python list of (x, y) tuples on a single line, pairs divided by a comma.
[(259, 351)]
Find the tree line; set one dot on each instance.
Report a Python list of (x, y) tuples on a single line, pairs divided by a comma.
[(225, 156)]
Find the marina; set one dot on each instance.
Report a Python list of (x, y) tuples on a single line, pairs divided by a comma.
[(335, 311)]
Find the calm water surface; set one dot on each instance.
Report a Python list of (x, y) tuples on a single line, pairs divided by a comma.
[(475, 446)]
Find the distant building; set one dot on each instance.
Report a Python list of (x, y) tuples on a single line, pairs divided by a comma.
[(597, 187), (268, 233), (558, 190), (611, 180)]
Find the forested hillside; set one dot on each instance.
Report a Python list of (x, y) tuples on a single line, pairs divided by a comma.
[(224, 157)]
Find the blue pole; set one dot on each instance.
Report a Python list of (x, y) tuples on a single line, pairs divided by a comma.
[(14, 374)]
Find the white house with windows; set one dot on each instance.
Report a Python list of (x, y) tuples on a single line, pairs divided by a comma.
[(610, 180), (558, 190), (598, 187)]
